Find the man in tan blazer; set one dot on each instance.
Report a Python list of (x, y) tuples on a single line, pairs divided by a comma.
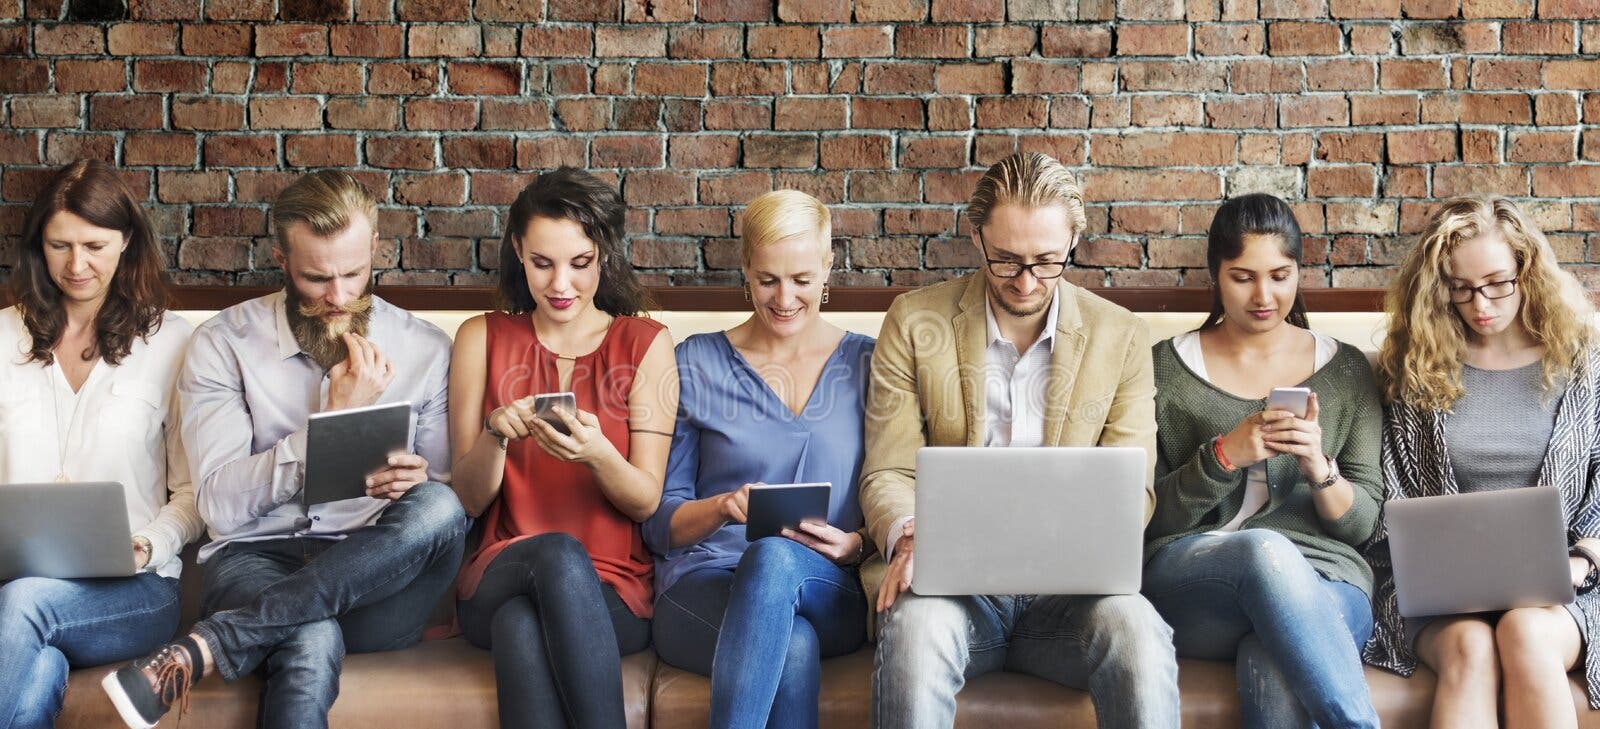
[(1009, 356)]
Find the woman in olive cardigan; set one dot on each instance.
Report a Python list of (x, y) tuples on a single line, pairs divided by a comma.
[(1251, 552)]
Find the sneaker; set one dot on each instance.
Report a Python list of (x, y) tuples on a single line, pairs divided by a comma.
[(145, 690)]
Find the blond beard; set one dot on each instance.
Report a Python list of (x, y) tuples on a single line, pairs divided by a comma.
[(321, 340)]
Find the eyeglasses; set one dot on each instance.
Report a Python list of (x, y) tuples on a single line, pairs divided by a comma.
[(1042, 270), (1490, 291)]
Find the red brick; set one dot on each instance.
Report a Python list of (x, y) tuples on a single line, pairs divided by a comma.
[(634, 114), (1242, 112), (931, 41), (627, 150), (1229, 40), (1012, 112), (271, 78), (968, 11), (1371, 40), (216, 39), (585, 114), (1340, 74), (970, 78), (214, 254), (68, 39), (747, 79), (314, 10), (1346, 181), (703, 151), (235, 150), (549, 152), (1412, 147), (1267, 76), (933, 152), (1067, 41), (809, 113), (780, 150), (285, 113), (35, 112), (291, 39), (210, 220), (440, 114), (1303, 39), (514, 11), (1044, 77), (856, 151), (1314, 111), (1452, 180), (61, 148), (1568, 74), (1345, 9), (441, 188), (122, 112), (1542, 147), (699, 42), (1149, 10), (557, 42), (402, 153), (783, 41), (479, 152), (240, 10), (367, 41), (449, 41), (327, 78), (484, 79), (659, 187), (176, 186), (74, 75), (898, 78), (207, 113), (434, 10), (142, 39), (403, 79), (950, 114), (319, 150), (1481, 146), (1591, 145), (515, 114), (630, 42), (1505, 74), (1579, 9), (1557, 109), (814, 11), (1008, 40), (164, 9), (1375, 109), (670, 79), (1164, 149), (363, 113), (1552, 39), (692, 221), (1438, 39), (1430, 9), (872, 11), (1350, 147), (1193, 76), (14, 39), (1165, 39)]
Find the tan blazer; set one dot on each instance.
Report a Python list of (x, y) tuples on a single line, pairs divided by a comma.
[(927, 387)]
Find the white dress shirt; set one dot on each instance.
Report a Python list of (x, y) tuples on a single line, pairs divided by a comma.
[(1015, 388), (248, 392), (120, 426)]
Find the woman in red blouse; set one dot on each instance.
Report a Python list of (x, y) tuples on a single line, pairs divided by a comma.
[(559, 588)]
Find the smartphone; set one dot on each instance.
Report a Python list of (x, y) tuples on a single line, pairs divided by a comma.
[(544, 409), (1292, 399)]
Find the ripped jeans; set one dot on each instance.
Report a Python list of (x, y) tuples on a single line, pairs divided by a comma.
[(1251, 595)]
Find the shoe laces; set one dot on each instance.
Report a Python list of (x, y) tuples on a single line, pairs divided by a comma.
[(173, 677)]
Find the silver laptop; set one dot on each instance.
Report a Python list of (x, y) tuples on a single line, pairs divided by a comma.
[(1034, 521), (64, 530), (1468, 553)]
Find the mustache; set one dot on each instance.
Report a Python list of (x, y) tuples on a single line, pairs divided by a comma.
[(317, 309)]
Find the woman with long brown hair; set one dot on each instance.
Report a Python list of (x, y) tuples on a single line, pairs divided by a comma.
[(86, 394)]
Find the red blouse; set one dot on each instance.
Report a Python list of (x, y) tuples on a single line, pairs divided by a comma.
[(543, 494)]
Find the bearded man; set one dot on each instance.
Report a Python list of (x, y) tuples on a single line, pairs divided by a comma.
[(291, 588)]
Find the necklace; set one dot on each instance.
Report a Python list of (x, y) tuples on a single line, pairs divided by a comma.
[(61, 438)]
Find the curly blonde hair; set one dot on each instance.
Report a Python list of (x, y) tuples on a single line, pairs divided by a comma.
[(1420, 362)]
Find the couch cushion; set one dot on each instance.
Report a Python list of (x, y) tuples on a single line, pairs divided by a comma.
[(1015, 701), (444, 683)]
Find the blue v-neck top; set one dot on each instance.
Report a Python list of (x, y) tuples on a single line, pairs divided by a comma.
[(733, 429)]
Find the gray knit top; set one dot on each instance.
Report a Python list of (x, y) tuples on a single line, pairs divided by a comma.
[(1500, 428)]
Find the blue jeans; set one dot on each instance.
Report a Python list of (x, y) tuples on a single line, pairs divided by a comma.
[(48, 625), (1115, 646), (293, 606), (1252, 596), (556, 633), (762, 630)]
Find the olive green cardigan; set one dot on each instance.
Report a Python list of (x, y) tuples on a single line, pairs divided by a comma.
[(1195, 494)]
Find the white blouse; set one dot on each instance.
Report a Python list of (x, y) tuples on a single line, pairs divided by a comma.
[(120, 426)]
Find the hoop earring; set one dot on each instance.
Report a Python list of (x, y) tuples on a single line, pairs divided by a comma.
[(824, 293)]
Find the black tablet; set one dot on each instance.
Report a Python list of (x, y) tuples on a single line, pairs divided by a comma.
[(344, 447), (776, 506)]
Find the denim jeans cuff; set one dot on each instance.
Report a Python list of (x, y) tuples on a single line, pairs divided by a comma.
[(219, 658)]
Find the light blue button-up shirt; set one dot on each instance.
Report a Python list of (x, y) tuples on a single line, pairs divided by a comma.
[(247, 392)]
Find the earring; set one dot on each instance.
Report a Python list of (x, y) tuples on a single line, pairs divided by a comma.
[(745, 289), (824, 293)]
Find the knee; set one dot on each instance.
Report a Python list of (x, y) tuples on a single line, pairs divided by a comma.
[(41, 697), (1132, 624), (514, 619), (558, 555), (1266, 558), (435, 510), (1527, 637), (920, 632), (773, 558), (317, 647), (804, 656), (1467, 647), (23, 603)]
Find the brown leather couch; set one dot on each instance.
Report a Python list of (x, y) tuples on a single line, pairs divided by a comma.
[(450, 684)]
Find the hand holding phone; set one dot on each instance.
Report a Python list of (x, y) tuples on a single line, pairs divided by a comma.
[(1294, 400), (544, 407)]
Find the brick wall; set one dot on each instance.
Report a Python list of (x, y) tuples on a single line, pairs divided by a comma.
[(1360, 111)]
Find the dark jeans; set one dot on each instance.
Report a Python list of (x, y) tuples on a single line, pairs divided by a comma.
[(292, 607), (557, 634), (761, 631), (48, 625)]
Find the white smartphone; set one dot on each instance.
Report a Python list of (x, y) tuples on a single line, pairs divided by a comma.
[(1292, 399), (544, 409)]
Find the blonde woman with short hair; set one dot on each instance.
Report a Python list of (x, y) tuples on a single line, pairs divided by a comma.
[(1485, 329), (777, 399)]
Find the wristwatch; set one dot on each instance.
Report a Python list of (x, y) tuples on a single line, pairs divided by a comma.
[(1333, 475), (500, 439), (1593, 575)]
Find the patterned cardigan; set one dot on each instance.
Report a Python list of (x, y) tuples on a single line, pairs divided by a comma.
[(1416, 463)]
